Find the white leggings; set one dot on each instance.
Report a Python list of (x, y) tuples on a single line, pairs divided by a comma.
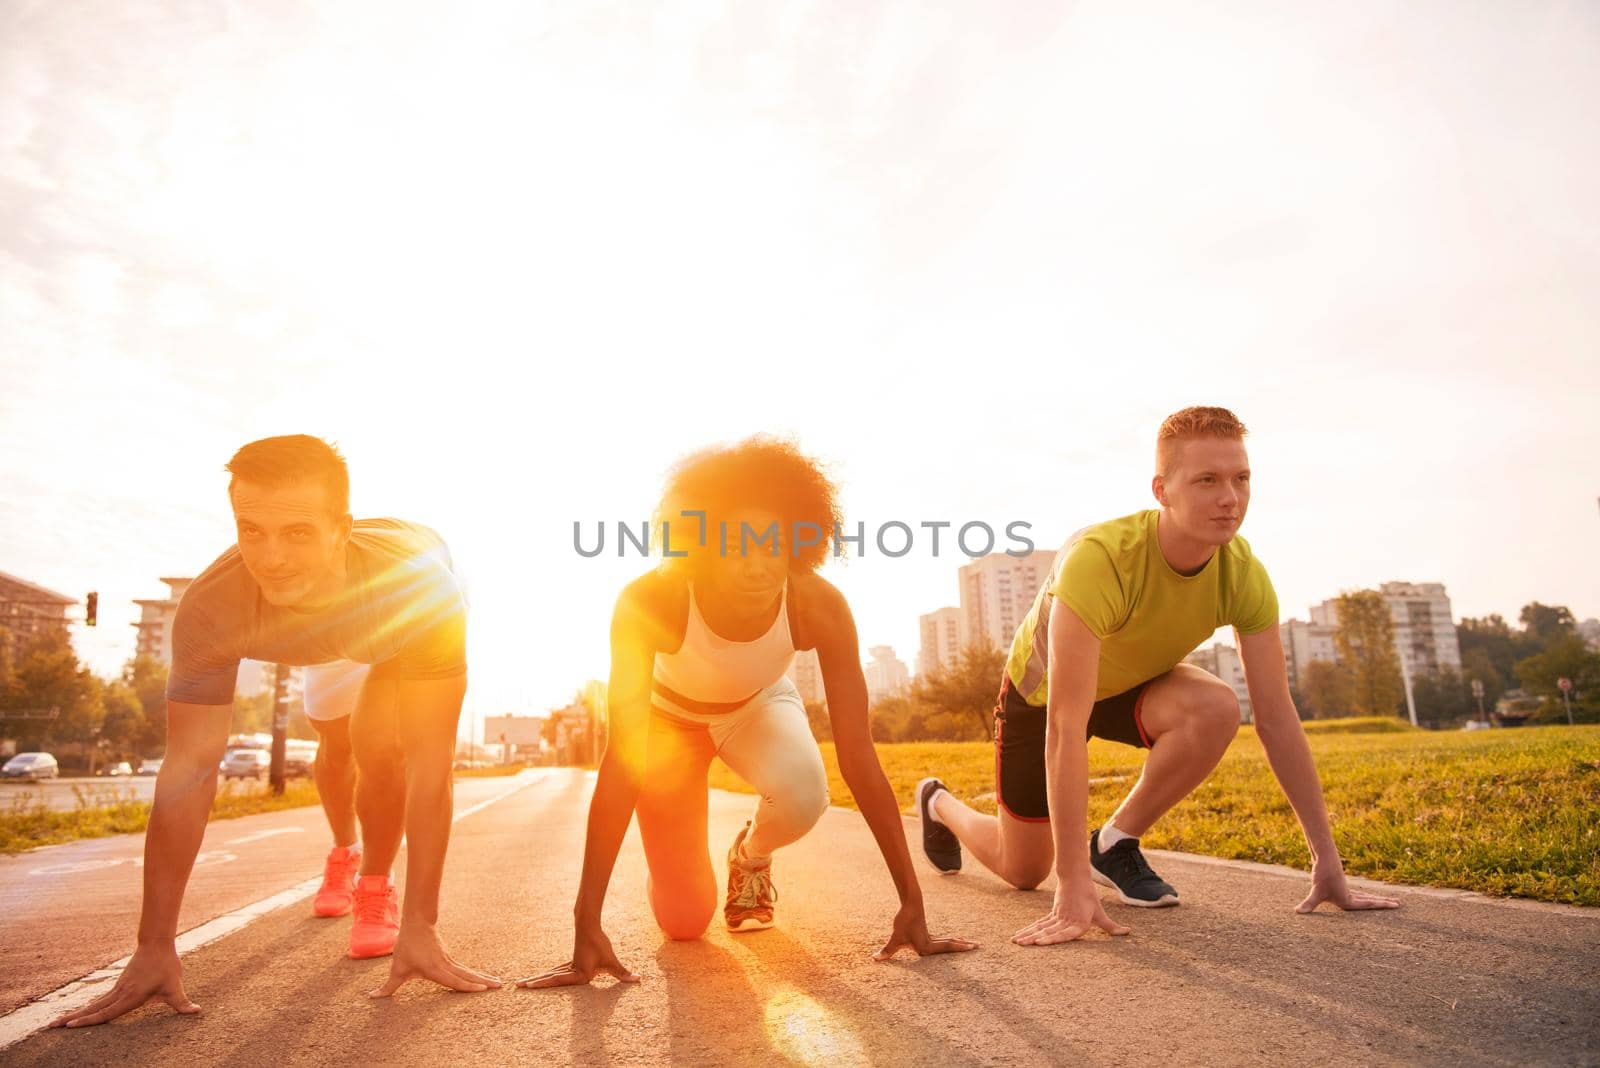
[(768, 743)]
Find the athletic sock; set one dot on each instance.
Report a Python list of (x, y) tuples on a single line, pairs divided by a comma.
[(1110, 835), (933, 807)]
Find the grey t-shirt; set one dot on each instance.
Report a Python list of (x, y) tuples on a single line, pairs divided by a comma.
[(401, 610)]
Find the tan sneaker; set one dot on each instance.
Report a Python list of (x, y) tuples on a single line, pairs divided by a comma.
[(750, 891)]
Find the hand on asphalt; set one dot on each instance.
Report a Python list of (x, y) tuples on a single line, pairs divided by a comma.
[(419, 953), (911, 930), (154, 972), (1330, 885), (591, 955), (1077, 911)]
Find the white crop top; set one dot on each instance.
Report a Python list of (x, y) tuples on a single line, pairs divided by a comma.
[(712, 669)]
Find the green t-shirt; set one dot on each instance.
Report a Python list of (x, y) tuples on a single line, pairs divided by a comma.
[(1147, 616)]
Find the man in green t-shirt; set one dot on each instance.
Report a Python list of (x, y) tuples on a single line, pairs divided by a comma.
[(1101, 654)]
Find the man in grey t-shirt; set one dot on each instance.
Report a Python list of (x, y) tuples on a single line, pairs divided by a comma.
[(373, 608)]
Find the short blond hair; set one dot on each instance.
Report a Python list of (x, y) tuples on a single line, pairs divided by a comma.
[(1196, 422)]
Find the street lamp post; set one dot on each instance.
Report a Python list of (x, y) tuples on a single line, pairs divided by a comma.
[(1477, 691), (1405, 678)]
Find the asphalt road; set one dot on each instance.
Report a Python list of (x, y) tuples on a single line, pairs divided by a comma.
[(1232, 976)]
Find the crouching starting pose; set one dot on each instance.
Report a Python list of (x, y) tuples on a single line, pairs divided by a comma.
[(699, 650), (1100, 654)]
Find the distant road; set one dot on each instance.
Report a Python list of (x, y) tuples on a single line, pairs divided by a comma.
[(62, 795)]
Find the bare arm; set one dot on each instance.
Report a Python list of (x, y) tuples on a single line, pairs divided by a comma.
[(616, 792), (1284, 740), (1074, 671), (839, 655), (427, 712), (185, 788)]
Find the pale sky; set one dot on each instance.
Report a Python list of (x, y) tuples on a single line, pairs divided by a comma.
[(514, 261)]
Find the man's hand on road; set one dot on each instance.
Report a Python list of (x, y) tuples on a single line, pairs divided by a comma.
[(591, 955), (1076, 911), (420, 954), (911, 930), (154, 972), (1329, 884)]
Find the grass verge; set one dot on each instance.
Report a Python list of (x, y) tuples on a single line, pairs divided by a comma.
[(1507, 812), (107, 810)]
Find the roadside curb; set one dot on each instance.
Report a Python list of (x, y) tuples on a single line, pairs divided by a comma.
[(1283, 871)]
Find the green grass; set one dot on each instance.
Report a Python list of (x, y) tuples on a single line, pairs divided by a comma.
[(1359, 725), (1508, 812), (108, 810)]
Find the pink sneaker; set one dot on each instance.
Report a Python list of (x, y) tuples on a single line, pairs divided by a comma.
[(377, 909), (338, 882)]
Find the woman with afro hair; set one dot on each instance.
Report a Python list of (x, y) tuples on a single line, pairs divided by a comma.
[(699, 650)]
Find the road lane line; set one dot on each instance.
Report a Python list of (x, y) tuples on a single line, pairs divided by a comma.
[(259, 835), (36, 1015)]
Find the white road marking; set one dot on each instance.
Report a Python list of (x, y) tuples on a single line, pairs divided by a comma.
[(264, 834), (80, 865), (33, 1017), (209, 858)]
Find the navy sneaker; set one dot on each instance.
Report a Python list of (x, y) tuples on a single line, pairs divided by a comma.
[(1124, 869), (942, 847)]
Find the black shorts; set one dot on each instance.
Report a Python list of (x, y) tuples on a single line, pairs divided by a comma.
[(1019, 744)]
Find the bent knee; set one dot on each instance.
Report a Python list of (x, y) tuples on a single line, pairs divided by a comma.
[(684, 928), (683, 918), (1220, 712), (1025, 875), (802, 809)]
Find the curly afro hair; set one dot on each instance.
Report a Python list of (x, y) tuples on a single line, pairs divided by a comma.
[(761, 472)]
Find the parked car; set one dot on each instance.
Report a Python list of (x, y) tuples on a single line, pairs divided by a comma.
[(299, 757), (151, 766), (246, 764), (121, 767), (32, 766)]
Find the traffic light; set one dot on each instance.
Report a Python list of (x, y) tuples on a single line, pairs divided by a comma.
[(91, 607)]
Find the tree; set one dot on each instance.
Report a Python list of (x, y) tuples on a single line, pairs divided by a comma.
[(1328, 690), (905, 718), (966, 689), (1494, 639), (124, 724), (1365, 640), (1443, 700), (1477, 664), (1568, 657), (48, 675), (821, 725), (593, 697), (1545, 623), (147, 678), (253, 715), (8, 672)]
